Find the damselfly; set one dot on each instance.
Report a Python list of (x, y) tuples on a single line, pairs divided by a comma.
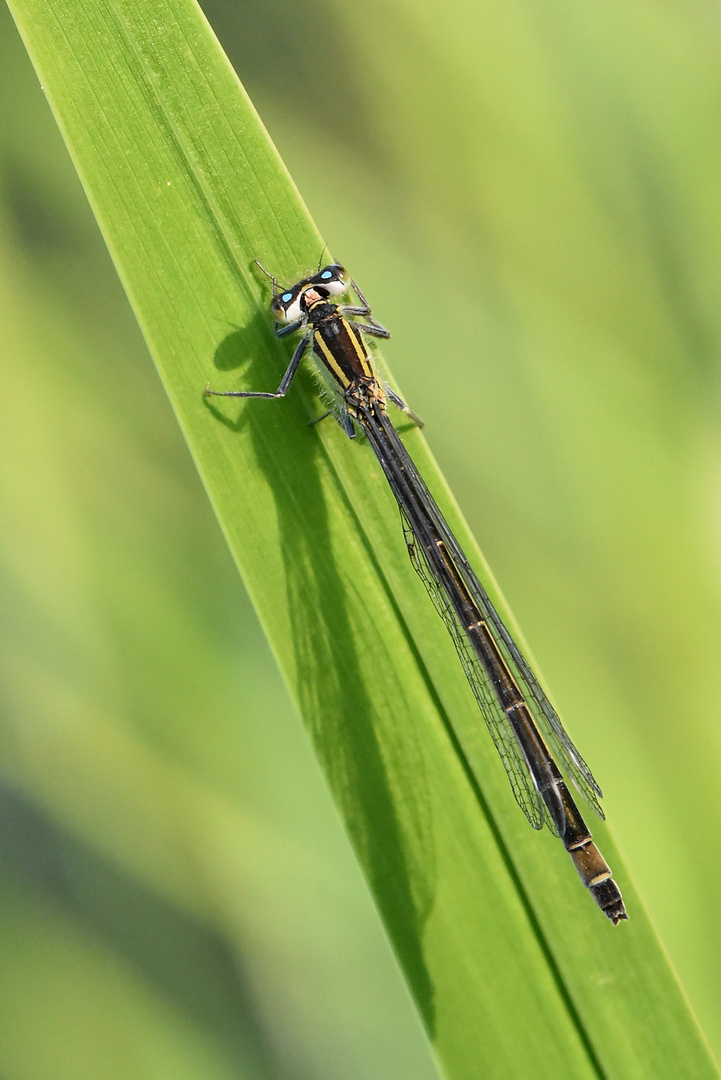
[(523, 723)]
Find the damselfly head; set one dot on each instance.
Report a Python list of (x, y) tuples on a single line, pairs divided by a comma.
[(332, 280)]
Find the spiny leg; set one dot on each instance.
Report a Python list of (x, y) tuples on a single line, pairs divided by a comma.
[(374, 329), (399, 403), (284, 383), (364, 310), (343, 419)]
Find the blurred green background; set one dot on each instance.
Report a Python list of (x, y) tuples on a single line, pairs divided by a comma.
[(531, 198)]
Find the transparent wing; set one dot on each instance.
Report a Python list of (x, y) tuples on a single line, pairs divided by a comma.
[(543, 712), (547, 718), (501, 732)]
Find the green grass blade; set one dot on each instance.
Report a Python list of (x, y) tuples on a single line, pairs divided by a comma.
[(513, 969)]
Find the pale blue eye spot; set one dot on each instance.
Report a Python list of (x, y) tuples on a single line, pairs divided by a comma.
[(326, 274), (286, 297)]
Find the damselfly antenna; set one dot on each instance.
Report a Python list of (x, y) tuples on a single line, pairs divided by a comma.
[(320, 260)]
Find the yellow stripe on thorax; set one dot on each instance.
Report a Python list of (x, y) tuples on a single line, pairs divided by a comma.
[(330, 360), (364, 360)]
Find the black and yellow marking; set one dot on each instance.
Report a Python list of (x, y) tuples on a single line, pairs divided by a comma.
[(343, 352)]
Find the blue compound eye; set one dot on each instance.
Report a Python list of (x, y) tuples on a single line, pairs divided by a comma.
[(336, 279), (285, 307)]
